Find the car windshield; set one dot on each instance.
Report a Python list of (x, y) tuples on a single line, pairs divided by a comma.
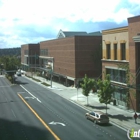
[(92, 113)]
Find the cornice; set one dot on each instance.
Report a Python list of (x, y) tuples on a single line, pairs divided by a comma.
[(117, 30)]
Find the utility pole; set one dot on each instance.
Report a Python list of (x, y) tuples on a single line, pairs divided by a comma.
[(51, 77), (35, 62)]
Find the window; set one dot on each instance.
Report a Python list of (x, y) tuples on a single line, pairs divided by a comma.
[(108, 51), (123, 51), (117, 75), (115, 51), (25, 52), (44, 52)]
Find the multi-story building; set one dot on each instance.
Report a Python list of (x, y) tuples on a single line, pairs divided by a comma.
[(71, 56), (120, 59), (115, 56), (134, 60), (30, 56)]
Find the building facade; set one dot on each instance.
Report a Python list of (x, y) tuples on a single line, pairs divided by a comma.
[(72, 57), (134, 61), (115, 58), (120, 59), (30, 56)]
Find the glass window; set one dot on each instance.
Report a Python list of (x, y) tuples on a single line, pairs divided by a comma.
[(117, 75), (115, 51), (123, 51), (108, 51)]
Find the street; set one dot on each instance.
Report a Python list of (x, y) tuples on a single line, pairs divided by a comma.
[(30, 111)]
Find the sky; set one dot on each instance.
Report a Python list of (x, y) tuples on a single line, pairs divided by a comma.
[(33, 21)]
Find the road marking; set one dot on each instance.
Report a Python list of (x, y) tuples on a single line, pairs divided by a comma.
[(47, 127), (27, 91), (38, 100), (13, 113), (29, 97), (30, 94), (55, 123)]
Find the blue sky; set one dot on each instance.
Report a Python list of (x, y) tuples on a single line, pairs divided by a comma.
[(33, 21)]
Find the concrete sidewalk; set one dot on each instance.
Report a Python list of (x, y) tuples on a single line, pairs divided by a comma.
[(118, 116)]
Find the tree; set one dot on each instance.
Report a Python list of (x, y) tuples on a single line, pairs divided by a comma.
[(86, 86), (10, 64), (105, 90)]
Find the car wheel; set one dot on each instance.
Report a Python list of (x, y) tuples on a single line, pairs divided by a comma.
[(87, 117)]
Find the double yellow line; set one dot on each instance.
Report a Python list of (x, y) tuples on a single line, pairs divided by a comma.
[(47, 127)]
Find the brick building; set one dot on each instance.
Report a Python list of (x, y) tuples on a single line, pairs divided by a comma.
[(30, 56), (134, 60), (120, 59), (115, 55), (72, 56)]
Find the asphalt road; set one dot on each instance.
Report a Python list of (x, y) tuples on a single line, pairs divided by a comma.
[(17, 122), (31, 111)]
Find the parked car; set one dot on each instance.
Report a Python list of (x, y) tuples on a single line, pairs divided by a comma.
[(97, 117), (18, 73)]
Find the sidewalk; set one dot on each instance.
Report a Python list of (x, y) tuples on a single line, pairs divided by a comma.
[(118, 116)]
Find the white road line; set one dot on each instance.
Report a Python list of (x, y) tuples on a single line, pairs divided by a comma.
[(38, 100), (30, 94), (13, 113), (28, 91)]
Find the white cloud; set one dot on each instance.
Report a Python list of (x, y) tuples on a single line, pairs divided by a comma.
[(134, 1), (54, 14), (43, 11)]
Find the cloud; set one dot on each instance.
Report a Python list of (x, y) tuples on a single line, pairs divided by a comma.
[(28, 21)]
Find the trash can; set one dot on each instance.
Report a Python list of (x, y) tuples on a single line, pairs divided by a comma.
[(114, 102)]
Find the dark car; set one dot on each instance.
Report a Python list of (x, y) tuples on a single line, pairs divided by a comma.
[(97, 117)]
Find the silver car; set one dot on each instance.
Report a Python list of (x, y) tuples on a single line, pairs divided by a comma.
[(97, 117)]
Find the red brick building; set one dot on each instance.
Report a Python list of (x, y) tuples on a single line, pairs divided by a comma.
[(30, 56), (71, 57), (67, 59), (134, 61)]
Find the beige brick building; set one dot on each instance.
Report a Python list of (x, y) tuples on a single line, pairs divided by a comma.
[(120, 59)]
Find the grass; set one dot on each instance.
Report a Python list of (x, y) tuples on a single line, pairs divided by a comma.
[(36, 79), (45, 84)]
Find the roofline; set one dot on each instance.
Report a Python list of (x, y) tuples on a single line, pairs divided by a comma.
[(115, 30), (60, 32)]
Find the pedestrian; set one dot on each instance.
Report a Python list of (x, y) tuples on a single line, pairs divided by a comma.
[(135, 117)]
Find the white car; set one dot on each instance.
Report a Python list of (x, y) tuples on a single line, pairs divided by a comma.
[(18, 73), (97, 117)]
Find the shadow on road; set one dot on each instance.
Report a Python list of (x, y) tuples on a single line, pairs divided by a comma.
[(97, 107), (20, 82), (120, 117), (14, 130), (106, 125)]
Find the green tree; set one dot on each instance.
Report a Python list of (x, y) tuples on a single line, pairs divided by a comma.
[(87, 86), (10, 64), (105, 90)]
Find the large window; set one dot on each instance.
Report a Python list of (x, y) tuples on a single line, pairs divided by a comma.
[(123, 51), (44, 52), (26, 52), (108, 51), (117, 75), (115, 51)]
